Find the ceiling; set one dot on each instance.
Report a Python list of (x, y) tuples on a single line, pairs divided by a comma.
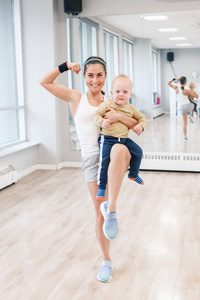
[(126, 15), (187, 23)]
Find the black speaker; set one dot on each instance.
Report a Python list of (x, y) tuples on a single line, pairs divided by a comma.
[(73, 7), (170, 56)]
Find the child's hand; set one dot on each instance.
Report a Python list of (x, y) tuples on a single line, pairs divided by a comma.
[(137, 129), (106, 123)]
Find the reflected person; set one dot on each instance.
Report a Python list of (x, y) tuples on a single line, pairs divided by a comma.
[(185, 105)]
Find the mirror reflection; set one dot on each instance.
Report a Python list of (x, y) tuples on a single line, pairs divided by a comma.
[(160, 51)]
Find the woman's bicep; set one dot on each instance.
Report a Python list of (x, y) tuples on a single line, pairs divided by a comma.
[(72, 97), (61, 91)]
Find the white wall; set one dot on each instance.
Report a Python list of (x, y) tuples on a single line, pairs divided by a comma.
[(38, 58), (21, 160)]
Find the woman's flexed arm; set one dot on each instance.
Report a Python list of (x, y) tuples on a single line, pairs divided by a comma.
[(69, 95), (172, 85)]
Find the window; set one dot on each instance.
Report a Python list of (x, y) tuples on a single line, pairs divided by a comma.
[(154, 76), (128, 58), (112, 58), (88, 43), (12, 128), (88, 34)]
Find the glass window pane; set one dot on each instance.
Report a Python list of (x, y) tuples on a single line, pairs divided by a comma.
[(128, 58), (8, 89), (88, 45), (111, 57), (9, 130)]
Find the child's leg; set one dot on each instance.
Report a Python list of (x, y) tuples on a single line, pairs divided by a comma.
[(195, 107), (105, 145), (136, 157)]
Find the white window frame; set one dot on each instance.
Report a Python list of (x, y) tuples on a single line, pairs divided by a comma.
[(19, 108), (128, 58), (154, 54), (88, 46), (88, 41), (111, 53)]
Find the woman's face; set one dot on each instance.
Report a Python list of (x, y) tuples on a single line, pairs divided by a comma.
[(95, 77)]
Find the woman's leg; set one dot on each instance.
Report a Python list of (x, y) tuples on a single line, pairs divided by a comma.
[(103, 241), (119, 162), (185, 119)]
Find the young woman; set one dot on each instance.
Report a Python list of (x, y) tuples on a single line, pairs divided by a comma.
[(186, 106), (82, 107)]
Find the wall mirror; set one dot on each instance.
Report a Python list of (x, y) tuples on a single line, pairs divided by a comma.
[(152, 41), (178, 33)]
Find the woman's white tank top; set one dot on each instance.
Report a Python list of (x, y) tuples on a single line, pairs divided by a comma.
[(87, 130), (182, 99)]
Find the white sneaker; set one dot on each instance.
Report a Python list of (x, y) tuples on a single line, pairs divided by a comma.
[(185, 140), (191, 119)]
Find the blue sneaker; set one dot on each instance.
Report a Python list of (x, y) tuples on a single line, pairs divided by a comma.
[(104, 273), (110, 226), (100, 194)]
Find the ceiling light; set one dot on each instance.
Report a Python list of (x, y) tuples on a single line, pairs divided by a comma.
[(168, 29), (177, 38), (155, 18), (184, 45)]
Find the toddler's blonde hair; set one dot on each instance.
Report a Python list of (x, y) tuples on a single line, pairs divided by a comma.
[(122, 76), (192, 85)]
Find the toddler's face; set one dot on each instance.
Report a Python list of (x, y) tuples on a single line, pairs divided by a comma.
[(121, 91)]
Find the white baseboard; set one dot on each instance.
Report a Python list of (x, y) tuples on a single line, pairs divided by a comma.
[(73, 164), (151, 161), (27, 171), (66, 164)]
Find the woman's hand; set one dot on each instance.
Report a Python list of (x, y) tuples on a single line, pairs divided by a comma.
[(111, 115), (137, 129), (74, 67)]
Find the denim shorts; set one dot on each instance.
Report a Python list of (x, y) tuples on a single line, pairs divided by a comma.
[(90, 167)]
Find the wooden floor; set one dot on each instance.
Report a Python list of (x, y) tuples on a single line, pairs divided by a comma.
[(165, 134), (48, 248)]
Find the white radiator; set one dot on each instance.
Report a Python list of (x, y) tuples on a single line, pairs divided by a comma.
[(8, 176), (171, 161)]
